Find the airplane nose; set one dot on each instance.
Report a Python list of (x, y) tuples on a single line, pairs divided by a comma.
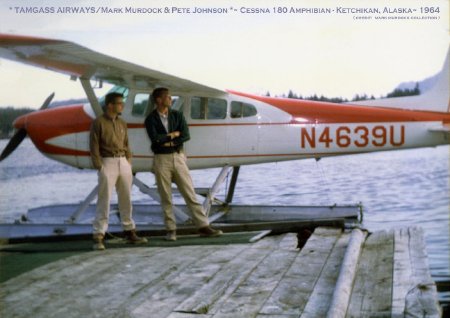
[(46, 124), (20, 122), (53, 131)]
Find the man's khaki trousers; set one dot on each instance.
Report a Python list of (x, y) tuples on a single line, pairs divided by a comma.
[(115, 172), (170, 168)]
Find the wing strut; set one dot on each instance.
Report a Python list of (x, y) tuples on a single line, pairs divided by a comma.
[(86, 83)]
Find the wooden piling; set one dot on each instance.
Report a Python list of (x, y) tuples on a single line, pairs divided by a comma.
[(344, 285)]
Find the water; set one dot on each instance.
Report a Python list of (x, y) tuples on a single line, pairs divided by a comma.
[(397, 189)]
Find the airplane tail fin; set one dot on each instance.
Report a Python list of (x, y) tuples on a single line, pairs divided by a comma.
[(437, 98), (439, 93)]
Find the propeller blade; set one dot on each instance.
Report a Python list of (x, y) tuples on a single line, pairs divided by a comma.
[(13, 143), (47, 101)]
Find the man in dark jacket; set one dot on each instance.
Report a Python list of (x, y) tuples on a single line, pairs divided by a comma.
[(168, 131)]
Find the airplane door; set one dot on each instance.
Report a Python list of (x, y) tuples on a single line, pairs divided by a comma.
[(243, 131), (207, 120)]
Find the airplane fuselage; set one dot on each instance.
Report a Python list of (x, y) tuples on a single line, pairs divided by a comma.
[(238, 129)]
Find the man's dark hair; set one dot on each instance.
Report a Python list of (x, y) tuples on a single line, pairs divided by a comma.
[(111, 98), (158, 92)]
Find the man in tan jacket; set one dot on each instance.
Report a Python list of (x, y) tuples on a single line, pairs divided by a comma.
[(111, 156)]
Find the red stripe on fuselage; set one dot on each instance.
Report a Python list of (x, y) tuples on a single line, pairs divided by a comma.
[(322, 112)]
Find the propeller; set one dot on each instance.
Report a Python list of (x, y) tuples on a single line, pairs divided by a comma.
[(47, 101), (20, 135)]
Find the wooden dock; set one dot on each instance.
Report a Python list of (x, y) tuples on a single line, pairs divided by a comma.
[(335, 274)]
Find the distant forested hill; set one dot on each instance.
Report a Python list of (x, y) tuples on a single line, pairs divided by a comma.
[(7, 116)]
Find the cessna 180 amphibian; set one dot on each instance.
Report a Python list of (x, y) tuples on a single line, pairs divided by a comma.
[(228, 128)]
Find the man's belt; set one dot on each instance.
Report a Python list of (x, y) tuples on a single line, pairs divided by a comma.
[(168, 150), (115, 156)]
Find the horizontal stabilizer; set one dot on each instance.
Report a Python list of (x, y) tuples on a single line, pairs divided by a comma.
[(442, 129)]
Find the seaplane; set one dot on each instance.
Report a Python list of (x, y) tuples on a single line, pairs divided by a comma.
[(229, 129)]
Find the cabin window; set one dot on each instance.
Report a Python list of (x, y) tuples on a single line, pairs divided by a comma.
[(208, 108), (140, 105), (240, 109), (177, 103)]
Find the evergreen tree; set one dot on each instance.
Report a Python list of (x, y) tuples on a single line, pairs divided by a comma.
[(7, 117)]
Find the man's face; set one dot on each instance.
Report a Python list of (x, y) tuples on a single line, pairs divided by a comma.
[(165, 99), (117, 106)]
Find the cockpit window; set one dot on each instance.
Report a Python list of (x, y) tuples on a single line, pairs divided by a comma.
[(208, 108), (240, 109)]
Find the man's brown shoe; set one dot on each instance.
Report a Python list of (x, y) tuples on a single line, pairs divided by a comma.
[(171, 236), (208, 231), (98, 242), (132, 238)]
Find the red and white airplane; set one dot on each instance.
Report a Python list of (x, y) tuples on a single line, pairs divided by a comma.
[(228, 128)]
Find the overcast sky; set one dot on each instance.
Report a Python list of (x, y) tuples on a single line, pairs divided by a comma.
[(332, 54)]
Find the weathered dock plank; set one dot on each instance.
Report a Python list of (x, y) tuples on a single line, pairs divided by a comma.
[(320, 298), (108, 279), (294, 289), (209, 298), (372, 288), (249, 297), (53, 282), (187, 315), (223, 284), (414, 290), (388, 273), (174, 289)]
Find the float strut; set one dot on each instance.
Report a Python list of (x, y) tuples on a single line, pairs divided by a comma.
[(232, 185), (83, 206)]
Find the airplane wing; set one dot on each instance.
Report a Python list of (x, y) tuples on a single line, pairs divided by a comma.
[(78, 61)]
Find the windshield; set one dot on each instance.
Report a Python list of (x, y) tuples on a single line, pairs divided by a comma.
[(116, 89)]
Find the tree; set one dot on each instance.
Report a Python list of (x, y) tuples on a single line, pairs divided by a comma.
[(7, 117), (404, 92)]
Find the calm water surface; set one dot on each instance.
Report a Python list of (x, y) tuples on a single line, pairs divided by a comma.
[(397, 189)]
